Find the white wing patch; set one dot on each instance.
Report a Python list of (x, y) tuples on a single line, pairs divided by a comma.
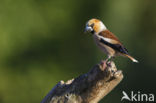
[(108, 40)]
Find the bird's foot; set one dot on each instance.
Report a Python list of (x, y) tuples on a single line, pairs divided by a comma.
[(103, 64), (108, 63)]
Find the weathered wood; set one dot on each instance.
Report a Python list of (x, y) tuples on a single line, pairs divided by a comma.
[(87, 88)]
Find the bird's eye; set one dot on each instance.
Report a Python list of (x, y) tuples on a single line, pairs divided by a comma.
[(92, 25)]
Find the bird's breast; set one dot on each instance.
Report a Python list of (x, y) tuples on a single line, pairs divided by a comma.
[(106, 49)]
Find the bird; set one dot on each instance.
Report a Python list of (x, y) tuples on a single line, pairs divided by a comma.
[(106, 40)]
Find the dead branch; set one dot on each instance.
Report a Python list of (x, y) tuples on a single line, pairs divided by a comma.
[(87, 88)]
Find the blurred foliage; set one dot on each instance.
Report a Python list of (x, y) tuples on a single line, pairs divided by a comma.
[(42, 42)]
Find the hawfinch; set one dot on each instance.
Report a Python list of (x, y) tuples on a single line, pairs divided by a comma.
[(106, 40)]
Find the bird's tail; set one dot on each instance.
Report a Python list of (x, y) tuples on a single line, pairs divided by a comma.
[(130, 57)]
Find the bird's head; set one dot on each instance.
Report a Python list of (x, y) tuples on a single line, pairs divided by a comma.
[(95, 26)]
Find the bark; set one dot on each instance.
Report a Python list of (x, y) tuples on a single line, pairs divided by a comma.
[(87, 88)]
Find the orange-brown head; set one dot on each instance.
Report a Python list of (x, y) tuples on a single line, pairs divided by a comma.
[(95, 26)]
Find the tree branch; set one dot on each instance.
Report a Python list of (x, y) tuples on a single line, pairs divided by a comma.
[(87, 88)]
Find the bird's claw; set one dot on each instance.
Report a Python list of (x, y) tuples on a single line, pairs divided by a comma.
[(103, 64), (108, 63)]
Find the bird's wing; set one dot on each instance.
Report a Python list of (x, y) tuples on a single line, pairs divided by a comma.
[(117, 47), (112, 41), (110, 36)]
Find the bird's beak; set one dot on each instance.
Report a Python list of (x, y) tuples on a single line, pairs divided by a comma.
[(88, 29)]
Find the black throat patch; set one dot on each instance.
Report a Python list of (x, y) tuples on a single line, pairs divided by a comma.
[(92, 31)]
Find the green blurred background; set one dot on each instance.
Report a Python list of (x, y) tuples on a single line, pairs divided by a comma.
[(42, 42)]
